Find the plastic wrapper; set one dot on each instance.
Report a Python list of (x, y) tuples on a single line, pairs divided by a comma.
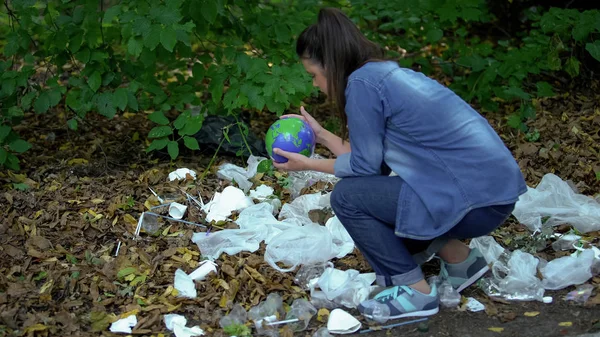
[(581, 294), (237, 315), (303, 311), (514, 278), (347, 288), (449, 297), (379, 312), (553, 202)]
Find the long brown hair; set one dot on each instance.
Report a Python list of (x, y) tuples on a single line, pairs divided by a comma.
[(338, 46)]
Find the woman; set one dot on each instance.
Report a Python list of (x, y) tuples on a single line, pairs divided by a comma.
[(455, 177)]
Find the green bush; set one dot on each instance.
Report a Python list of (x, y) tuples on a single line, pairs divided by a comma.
[(178, 60)]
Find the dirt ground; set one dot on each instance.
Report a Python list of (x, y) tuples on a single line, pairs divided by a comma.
[(86, 190)]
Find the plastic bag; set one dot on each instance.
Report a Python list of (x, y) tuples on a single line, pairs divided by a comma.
[(297, 210), (307, 244), (555, 199), (489, 248), (240, 175), (341, 239), (568, 270), (302, 179), (230, 241)]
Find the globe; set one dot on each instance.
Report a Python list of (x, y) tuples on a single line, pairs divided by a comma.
[(290, 134)]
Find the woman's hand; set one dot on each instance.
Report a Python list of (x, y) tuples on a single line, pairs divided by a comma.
[(317, 128), (296, 161)]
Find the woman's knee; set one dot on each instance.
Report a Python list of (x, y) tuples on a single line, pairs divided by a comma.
[(338, 199)]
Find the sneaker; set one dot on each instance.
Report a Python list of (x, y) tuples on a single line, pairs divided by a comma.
[(463, 274), (403, 301)]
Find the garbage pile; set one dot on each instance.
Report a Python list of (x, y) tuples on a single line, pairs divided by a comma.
[(295, 243)]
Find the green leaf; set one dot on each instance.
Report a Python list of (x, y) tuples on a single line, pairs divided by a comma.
[(141, 25), (193, 125), (572, 66), (111, 13), (72, 99), (54, 97), (181, 120), (120, 98), (198, 72), (594, 49), (166, 15), (105, 105), (585, 25), (254, 95), (15, 111), (126, 271), (95, 80), (4, 132), (83, 55), (216, 87), (21, 186), (209, 10), (527, 111), (3, 156), (27, 99), (158, 117), (168, 38), (160, 131), (132, 101), (544, 89), (434, 35), (8, 86), (158, 144), (514, 121), (72, 124), (12, 162), (152, 37), (42, 103), (515, 92), (135, 46), (264, 166), (191, 143), (173, 149), (19, 145)]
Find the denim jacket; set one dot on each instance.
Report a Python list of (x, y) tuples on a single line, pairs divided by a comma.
[(450, 159)]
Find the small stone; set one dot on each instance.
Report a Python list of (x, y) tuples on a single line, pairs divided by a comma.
[(423, 327)]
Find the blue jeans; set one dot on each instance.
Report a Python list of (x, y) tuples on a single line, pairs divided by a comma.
[(366, 206)]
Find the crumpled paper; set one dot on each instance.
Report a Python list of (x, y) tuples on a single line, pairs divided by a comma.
[(181, 173), (177, 324), (124, 325), (222, 204)]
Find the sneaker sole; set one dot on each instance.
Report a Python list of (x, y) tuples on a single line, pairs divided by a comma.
[(473, 278), (422, 313)]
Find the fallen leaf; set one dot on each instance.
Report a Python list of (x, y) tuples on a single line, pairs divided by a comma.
[(532, 313), (322, 315), (76, 161), (496, 329), (507, 316), (33, 328), (565, 324)]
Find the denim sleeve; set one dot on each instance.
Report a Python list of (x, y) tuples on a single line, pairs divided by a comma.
[(366, 126)]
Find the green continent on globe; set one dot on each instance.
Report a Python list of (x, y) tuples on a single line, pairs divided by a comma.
[(306, 151)]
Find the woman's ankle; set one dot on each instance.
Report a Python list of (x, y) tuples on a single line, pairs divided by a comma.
[(454, 252)]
